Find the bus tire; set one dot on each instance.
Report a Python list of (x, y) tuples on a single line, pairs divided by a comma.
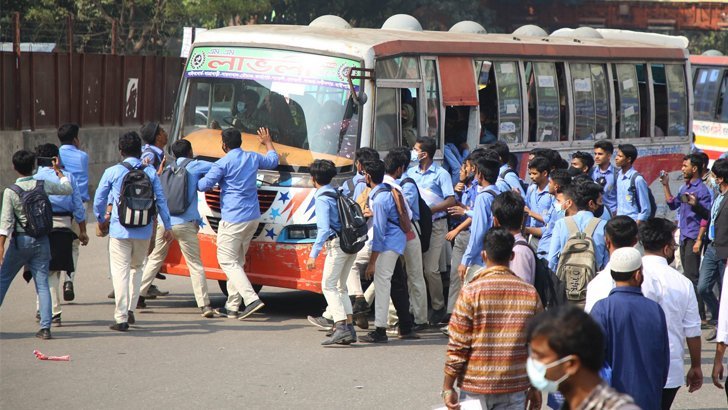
[(223, 287)]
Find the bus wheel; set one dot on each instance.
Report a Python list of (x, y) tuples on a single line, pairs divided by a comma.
[(223, 287)]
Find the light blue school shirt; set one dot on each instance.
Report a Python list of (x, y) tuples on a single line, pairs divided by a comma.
[(482, 221), (609, 192), (75, 162), (327, 218), (388, 236), (509, 181), (70, 204), (196, 170), (561, 235), (626, 204), (539, 201)]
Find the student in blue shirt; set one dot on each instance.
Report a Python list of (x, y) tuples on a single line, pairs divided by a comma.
[(558, 180), (435, 185), (127, 246), (388, 243), (155, 139), (184, 229), (67, 209), (635, 329), (355, 186), (338, 263), (539, 200), (581, 196), (487, 175), (75, 162), (605, 174), (237, 173), (508, 179), (633, 203)]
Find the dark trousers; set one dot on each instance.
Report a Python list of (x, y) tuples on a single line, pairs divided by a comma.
[(668, 396), (400, 297), (691, 268)]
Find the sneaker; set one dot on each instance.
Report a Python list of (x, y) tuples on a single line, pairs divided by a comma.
[(251, 308), (130, 319), (230, 314), (141, 304), (352, 330), (320, 322), (411, 335), (56, 320), (418, 327), (154, 291), (712, 334), (44, 334), (120, 327), (437, 316), (207, 311), (445, 331), (110, 295), (341, 335), (68, 294), (160, 276), (374, 337)]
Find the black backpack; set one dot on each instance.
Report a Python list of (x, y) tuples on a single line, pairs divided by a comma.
[(137, 207), (503, 174), (174, 181), (354, 228), (37, 209), (425, 221), (547, 284), (650, 197)]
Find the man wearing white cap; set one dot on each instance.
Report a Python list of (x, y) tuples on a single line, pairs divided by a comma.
[(637, 347)]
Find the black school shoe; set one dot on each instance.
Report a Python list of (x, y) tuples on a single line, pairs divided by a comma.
[(68, 294), (44, 334), (120, 327), (251, 308), (377, 336)]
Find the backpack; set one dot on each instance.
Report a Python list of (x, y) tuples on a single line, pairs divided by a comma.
[(174, 182), (37, 209), (137, 207), (157, 160), (650, 197), (503, 174), (549, 287), (425, 222), (404, 222), (577, 264), (354, 228)]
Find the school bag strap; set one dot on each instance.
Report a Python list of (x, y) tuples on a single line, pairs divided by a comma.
[(183, 165)]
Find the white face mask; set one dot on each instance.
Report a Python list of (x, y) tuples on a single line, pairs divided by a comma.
[(414, 156), (537, 374)]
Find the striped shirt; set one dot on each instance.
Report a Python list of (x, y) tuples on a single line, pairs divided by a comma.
[(604, 397), (487, 349)]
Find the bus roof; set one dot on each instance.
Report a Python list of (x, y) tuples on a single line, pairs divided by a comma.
[(709, 60), (360, 42)]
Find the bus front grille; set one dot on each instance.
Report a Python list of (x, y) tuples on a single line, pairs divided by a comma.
[(214, 222), (266, 197)]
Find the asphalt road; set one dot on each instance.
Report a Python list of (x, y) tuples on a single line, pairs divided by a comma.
[(174, 358)]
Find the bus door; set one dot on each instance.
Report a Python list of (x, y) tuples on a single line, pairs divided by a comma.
[(399, 113)]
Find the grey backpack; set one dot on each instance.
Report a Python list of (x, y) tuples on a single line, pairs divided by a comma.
[(577, 264), (174, 182)]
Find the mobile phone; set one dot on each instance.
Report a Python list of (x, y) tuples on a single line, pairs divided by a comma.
[(684, 198), (662, 173)]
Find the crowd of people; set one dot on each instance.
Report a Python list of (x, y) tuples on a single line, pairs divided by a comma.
[(567, 285)]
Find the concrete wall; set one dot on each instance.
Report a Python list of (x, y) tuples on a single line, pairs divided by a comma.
[(101, 144)]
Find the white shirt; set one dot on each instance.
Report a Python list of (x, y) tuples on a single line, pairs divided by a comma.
[(602, 284), (680, 305), (722, 336)]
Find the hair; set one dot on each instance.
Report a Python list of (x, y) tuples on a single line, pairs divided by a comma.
[(585, 158), (561, 177), (130, 144), (365, 154), (149, 132), (232, 138), (508, 208), (656, 233), (704, 158), (569, 330), (629, 151), (621, 231), (252, 96), (586, 191), (488, 169), (557, 162), (569, 192), (622, 276), (512, 161), (392, 162), (475, 154), (695, 161), (375, 170), (605, 145), (427, 145), (498, 245), (67, 133), (182, 149), (539, 152), (24, 162), (323, 171), (502, 149), (403, 153), (540, 164), (46, 150), (720, 169)]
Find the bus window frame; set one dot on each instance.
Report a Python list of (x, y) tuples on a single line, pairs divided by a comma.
[(441, 106), (689, 104), (523, 143)]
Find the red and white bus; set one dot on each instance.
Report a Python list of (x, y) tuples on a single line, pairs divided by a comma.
[(327, 88), (710, 121)]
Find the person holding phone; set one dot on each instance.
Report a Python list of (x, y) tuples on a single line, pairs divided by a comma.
[(692, 226)]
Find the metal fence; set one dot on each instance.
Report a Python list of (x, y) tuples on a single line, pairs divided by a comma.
[(44, 90)]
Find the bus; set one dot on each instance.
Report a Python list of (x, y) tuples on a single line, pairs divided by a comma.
[(326, 89), (710, 121)]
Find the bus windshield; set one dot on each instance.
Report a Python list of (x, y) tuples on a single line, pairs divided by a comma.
[(303, 99)]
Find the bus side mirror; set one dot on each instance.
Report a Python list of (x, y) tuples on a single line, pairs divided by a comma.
[(360, 74)]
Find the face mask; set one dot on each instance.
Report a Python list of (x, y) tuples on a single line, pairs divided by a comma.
[(537, 374), (240, 106), (599, 211), (414, 156)]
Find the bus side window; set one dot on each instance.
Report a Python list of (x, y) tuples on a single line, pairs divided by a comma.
[(544, 106), (386, 123), (432, 97), (659, 90), (721, 113), (644, 100), (591, 101), (563, 102), (488, 102), (677, 100), (509, 102), (627, 101), (706, 92)]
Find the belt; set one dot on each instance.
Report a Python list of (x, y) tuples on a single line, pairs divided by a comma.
[(62, 213), (437, 219), (332, 236)]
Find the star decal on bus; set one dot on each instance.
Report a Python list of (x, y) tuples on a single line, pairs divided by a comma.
[(275, 213), (284, 197), (271, 233)]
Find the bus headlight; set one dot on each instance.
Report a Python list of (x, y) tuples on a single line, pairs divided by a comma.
[(298, 234)]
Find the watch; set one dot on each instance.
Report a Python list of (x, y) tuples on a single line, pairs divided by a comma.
[(446, 393)]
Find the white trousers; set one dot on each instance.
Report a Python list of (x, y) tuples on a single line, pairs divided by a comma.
[(233, 240), (458, 249), (334, 280), (383, 271), (431, 264), (189, 244), (126, 257)]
